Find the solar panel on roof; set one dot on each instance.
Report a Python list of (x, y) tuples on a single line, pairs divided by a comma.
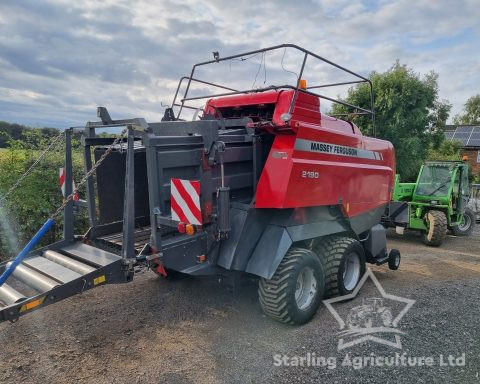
[(464, 129), (462, 134), (463, 138), (468, 135), (474, 138), (476, 131), (474, 142)]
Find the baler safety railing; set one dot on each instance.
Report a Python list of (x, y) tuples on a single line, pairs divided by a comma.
[(361, 79)]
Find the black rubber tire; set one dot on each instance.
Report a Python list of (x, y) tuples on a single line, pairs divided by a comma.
[(466, 232), (277, 295), (333, 252), (394, 259), (437, 224)]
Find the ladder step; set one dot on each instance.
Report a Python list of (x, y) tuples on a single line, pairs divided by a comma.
[(33, 279), (68, 262), (50, 269), (9, 296), (90, 255)]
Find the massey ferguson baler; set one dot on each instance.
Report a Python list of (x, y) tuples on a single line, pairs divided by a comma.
[(261, 184)]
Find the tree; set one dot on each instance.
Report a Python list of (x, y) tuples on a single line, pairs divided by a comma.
[(10, 131), (448, 150), (408, 113), (471, 112)]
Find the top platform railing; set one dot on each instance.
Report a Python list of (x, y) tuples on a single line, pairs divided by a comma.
[(182, 103)]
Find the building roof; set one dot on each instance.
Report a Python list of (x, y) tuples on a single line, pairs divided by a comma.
[(468, 135)]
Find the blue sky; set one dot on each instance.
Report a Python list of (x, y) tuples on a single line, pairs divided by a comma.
[(60, 59)]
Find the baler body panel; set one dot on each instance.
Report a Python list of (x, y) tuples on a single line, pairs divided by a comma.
[(321, 166), (315, 159), (306, 109)]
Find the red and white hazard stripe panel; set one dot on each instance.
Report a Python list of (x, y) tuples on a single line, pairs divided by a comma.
[(62, 184), (185, 201)]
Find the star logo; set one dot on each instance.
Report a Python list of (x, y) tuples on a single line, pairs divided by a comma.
[(372, 319)]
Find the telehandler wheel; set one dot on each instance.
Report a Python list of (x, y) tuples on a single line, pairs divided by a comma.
[(295, 291), (465, 228), (344, 261), (437, 228)]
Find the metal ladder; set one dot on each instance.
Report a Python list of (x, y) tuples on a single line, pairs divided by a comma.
[(54, 273)]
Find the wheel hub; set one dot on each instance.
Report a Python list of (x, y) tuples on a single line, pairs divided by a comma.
[(397, 260), (351, 272), (306, 288), (465, 223)]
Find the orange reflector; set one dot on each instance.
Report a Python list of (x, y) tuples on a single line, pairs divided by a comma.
[(302, 84), (345, 208), (189, 229), (32, 304), (202, 258)]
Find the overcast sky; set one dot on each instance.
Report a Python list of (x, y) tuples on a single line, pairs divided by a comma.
[(60, 59)]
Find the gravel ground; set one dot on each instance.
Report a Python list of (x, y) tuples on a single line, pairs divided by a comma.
[(195, 331)]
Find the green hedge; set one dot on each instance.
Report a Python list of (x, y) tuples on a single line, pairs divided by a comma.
[(35, 199)]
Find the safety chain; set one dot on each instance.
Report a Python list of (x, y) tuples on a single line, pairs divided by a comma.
[(56, 140), (90, 173)]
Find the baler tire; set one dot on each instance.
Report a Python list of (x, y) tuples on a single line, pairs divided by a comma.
[(467, 231), (334, 251), (277, 295), (437, 231)]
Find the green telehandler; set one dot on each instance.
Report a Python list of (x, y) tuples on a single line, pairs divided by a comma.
[(436, 203)]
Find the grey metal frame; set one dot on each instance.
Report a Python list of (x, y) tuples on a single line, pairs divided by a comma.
[(307, 53), (128, 249), (90, 138), (68, 223)]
